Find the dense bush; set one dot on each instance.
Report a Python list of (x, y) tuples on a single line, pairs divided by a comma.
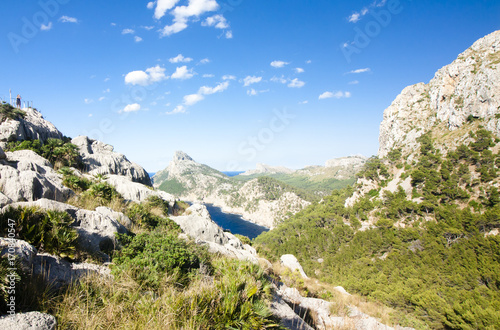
[(7, 111)]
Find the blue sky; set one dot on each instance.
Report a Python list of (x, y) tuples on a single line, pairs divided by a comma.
[(230, 82)]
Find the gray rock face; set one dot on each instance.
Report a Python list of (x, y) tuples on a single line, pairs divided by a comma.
[(96, 229), (468, 86), (99, 158), (28, 321), (267, 169), (291, 262), (136, 192), (199, 225), (26, 176), (19, 249), (60, 272), (33, 126)]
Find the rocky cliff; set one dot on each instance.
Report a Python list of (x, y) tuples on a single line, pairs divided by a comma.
[(191, 181), (466, 89)]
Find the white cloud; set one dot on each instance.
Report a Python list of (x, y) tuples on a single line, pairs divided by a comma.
[(90, 115), (308, 61), (355, 17), (137, 39), (217, 21), (150, 27), (151, 5), (208, 75), (145, 78), (88, 101), (131, 108), (106, 91), (251, 80), (228, 77), (180, 59), (182, 14), (47, 27), (205, 61), (304, 102), (182, 73), (280, 80), (354, 82), (229, 34), (360, 70), (299, 70), (128, 31), (296, 83), (252, 92), (101, 98), (192, 99), (278, 64), (178, 109), (113, 24), (337, 95), (107, 79), (204, 90), (162, 6), (67, 19)]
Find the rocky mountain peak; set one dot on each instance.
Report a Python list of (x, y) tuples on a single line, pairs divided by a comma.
[(181, 156), (470, 86)]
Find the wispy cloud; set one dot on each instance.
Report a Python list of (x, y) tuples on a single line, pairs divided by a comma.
[(278, 64), (177, 109), (205, 61), (299, 70), (67, 19), (128, 31), (249, 80), (47, 27), (335, 94), (296, 83), (228, 77), (354, 82), (192, 99), (182, 73), (360, 71), (358, 15), (137, 39)]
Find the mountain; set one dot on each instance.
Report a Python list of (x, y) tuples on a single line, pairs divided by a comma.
[(319, 180), (419, 230), (263, 201)]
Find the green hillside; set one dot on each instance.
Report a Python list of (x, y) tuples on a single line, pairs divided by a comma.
[(429, 253)]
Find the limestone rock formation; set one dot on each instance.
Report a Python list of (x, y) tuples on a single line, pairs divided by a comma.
[(291, 262), (198, 224), (19, 249), (26, 176), (135, 191), (470, 86), (267, 169), (33, 126), (28, 321), (99, 158)]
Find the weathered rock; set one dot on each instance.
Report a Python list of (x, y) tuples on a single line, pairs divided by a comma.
[(96, 229), (468, 86), (137, 192), (28, 321), (33, 126), (59, 272), (27, 176), (2, 154), (118, 216), (99, 158), (18, 249), (267, 169), (289, 261)]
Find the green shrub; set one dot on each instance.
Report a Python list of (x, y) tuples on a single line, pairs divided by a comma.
[(7, 111)]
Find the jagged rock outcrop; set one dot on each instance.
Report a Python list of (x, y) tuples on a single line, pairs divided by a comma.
[(28, 321), (95, 229), (198, 224), (291, 262), (26, 176), (470, 86), (33, 126), (99, 158), (19, 250)]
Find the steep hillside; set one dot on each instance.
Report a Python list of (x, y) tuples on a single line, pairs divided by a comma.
[(419, 230), (262, 201)]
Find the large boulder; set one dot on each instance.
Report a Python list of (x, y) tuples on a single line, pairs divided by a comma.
[(26, 176), (136, 192), (18, 249), (28, 321), (99, 158), (291, 262), (33, 126)]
